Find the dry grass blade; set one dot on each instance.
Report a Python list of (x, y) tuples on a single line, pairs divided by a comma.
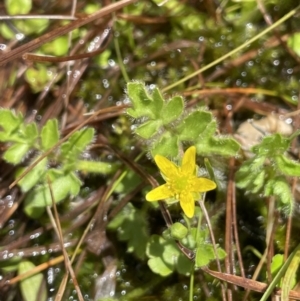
[(57, 227), (18, 52)]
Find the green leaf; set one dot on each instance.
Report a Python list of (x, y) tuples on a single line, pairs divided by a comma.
[(165, 257), (294, 42), (280, 188), (158, 102), (167, 146), (34, 176), (223, 146), (133, 228), (178, 231), (16, 153), (184, 265), (155, 249), (272, 146), (158, 266), (15, 7), (290, 278), (30, 133), (37, 77), (62, 187), (148, 129), (287, 166), (253, 179), (103, 168), (50, 134), (172, 110), (57, 47), (258, 181), (205, 254), (276, 264), (33, 287), (77, 143), (9, 121), (142, 104), (194, 125), (129, 182)]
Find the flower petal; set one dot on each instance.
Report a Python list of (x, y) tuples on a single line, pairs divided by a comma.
[(189, 161), (202, 185), (168, 168), (187, 204), (159, 193)]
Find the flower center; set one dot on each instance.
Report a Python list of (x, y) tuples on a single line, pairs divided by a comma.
[(182, 184)]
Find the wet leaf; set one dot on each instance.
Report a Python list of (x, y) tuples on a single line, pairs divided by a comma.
[(33, 288)]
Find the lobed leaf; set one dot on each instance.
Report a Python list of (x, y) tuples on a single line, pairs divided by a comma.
[(148, 129), (142, 103), (172, 110), (62, 187), (166, 146), (9, 122), (132, 227), (287, 166), (16, 153), (192, 126)]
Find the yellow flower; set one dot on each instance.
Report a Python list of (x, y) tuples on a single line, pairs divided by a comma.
[(181, 182)]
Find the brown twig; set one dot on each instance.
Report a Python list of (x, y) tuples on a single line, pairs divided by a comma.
[(18, 52)]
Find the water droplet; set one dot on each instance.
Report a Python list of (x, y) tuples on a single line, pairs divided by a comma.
[(20, 36)]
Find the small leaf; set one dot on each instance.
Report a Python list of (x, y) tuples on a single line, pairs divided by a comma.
[(223, 146), (178, 231), (158, 266), (9, 121), (37, 77), (16, 153), (287, 166), (184, 265), (172, 110), (33, 287), (50, 134), (133, 228), (57, 47), (61, 187), (205, 254), (148, 129), (77, 143), (15, 7), (142, 104), (167, 146), (158, 102), (30, 133), (277, 262), (280, 188), (272, 146), (34, 176), (194, 124), (290, 278), (294, 42)]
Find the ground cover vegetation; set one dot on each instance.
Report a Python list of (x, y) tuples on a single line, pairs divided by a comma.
[(149, 150)]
